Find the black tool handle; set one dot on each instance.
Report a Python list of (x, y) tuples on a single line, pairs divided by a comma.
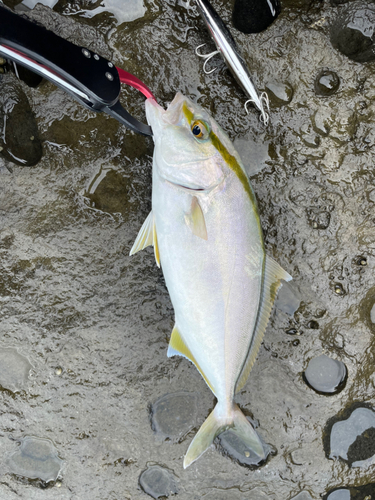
[(92, 74)]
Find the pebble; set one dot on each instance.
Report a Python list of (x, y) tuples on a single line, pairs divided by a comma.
[(353, 33), (254, 16), (14, 369), (326, 375), (174, 415), (158, 482), (353, 439), (36, 458), (279, 93), (340, 494), (326, 83)]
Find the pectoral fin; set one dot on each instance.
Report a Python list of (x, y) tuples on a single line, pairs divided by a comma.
[(195, 219), (273, 274), (177, 347), (147, 236)]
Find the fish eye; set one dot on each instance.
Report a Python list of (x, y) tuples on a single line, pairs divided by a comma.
[(199, 129)]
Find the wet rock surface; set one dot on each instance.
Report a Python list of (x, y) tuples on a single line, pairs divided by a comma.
[(96, 323)]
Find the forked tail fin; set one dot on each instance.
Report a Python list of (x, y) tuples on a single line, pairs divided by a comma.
[(214, 425)]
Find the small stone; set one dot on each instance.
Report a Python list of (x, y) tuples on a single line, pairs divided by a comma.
[(326, 83), (340, 494), (339, 289), (158, 482), (326, 375), (58, 371), (254, 16)]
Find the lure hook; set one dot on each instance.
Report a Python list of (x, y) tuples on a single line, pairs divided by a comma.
[(207, 57), (262, 104)]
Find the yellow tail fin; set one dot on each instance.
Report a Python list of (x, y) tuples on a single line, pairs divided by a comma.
[(214, 425)]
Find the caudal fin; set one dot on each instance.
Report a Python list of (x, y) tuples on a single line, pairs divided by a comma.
[(214, 425)]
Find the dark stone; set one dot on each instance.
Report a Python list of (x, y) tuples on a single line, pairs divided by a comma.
[(353, 34), (254, 16), (325, 375), (363, 447), (158, 482), (326, 83), (19, 137)]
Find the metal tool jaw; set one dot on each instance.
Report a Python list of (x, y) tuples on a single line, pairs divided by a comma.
[(91, 79)]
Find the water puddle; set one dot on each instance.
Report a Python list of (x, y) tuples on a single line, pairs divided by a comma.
[(123, 11), (174, 415), (325, 375), (364, 492), (352, 439), (158, 482), (14, 369), (36, 458)]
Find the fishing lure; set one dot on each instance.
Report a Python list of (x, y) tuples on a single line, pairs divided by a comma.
[(226, 46)]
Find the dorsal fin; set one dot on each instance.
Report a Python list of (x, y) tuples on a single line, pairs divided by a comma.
[(177, 347), (273, 273), (195, 219), (146, 237)]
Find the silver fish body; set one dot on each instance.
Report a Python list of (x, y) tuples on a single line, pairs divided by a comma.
[(206, 233), (227, 47)]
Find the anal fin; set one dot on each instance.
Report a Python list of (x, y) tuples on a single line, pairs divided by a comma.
[(177, 347), (273, 274)]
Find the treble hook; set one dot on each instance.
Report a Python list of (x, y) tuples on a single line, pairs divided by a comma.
[(261, 103), (207, 57)]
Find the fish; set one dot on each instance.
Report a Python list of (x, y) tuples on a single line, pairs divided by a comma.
[(227, 47), (205, 229)]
